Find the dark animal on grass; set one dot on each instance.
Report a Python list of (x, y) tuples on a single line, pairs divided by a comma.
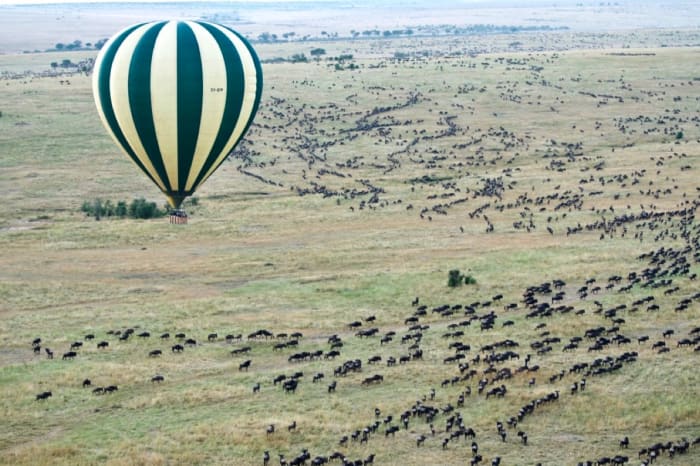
[(102, 345), (155, 353), (157, 378), (177, 348), (49, 353), (256, 388), (244, 365), (212, 337), (43, 396), (69, 355), (331, 386), (290, 386), (86, 383), (76, 345)]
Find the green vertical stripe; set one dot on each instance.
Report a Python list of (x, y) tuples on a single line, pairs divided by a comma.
[(105, 97), (235, 87), (140, 99), (190, 87)]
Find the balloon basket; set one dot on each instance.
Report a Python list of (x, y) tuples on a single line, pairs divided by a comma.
[(178, 217)]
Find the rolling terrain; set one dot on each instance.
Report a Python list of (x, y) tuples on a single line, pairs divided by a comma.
[(554, 181)]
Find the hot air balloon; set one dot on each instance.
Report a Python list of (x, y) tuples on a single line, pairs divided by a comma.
[(177, 96)]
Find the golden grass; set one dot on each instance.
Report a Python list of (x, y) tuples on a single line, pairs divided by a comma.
[(258, 256)]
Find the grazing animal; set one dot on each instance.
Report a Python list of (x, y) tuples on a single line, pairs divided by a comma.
[(178, 348), (43, 396), (155, 353), (49, 353), (331, 387), (157, 378), (244, 365), (69, 355), (86, 383), (102, 345), (270, 429)]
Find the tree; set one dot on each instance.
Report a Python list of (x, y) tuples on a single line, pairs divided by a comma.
[(454, 278), (60, 46)]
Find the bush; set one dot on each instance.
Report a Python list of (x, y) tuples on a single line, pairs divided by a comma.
[(138, 208), (454, 278)]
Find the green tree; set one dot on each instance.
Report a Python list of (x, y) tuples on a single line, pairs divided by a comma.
[(454, 278)]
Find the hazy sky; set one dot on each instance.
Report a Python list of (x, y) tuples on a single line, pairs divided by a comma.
[(29, 2)]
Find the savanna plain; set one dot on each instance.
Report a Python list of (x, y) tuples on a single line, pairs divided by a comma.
[(555, 183)]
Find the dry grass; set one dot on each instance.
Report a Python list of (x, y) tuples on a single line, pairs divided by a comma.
[(260, 256)]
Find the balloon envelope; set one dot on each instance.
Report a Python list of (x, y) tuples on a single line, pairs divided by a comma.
[(177, 96)]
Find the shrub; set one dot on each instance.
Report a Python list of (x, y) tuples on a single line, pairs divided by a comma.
[(454, 278), (138, 208)]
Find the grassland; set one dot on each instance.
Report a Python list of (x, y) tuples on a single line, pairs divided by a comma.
[(356, 218)]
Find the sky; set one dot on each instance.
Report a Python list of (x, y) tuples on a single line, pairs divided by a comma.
[(34, 2)]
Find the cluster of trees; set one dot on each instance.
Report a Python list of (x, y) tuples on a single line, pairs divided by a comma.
[(455, 279), (79, 45), (138, 208)]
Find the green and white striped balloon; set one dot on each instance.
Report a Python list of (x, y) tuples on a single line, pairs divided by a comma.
[(177, 96)]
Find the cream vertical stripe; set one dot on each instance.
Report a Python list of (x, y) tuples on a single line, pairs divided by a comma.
[(163, 102), (213, 99), (248, 104), (119, 90)]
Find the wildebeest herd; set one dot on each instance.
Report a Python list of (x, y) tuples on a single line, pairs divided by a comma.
[(481, 375), (470, 372)]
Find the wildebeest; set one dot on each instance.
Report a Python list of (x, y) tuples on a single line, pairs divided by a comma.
[(244, 365), (43, 396)]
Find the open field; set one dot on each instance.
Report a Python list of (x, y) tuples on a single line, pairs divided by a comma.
[(562, 179)]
